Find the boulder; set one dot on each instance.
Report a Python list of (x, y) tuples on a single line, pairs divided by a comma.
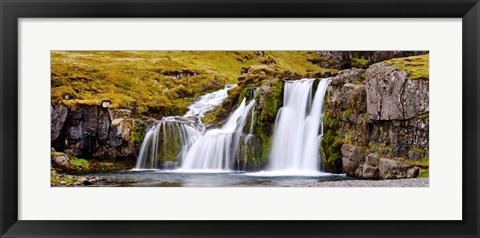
[(352, 159), (60, 159), (413, 172), (350, 166), (370, 172), (371, 159), (352, 153), (392, 169)]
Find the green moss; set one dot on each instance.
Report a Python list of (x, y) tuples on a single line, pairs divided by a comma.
[(332, 141), (418, 150), (423, 162), (347, 113), (211, 118), (402, 132), (80, 162), (424, 173), (331, 150), (416, 66), (330, 122), (272, 101), (425, 115), (388, 148), (378, 148), (360, 62), (372, 146), (138, 133), (56, 180), (348, 137)]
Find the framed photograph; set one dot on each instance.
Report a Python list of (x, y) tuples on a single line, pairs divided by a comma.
[(226, 118)]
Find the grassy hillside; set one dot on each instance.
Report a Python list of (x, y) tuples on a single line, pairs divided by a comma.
[(157, 82)]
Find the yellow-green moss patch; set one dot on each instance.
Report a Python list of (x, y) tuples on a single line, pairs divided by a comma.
[(416, 66)]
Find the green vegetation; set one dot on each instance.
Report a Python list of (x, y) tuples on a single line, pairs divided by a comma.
[(157, 82), (347, 113), (421, 116), (424, 173), (57, 180), (272, 101), (379, 148), (218, 114), (418, 150), (138, 133), (360, 62), (416, 66), (422, 163), (80, 163), (332, 142)]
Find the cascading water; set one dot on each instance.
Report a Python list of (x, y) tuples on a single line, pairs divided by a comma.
[(168, 140), (299, 128), (171, 138), (218, 149), (296, 140)]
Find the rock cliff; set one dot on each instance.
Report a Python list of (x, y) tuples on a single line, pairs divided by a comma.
[(95, 132), (376, 123)]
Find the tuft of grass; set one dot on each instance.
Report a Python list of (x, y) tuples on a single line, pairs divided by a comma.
[(416, 66)]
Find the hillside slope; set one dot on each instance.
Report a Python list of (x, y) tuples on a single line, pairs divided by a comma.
[(158, 82)]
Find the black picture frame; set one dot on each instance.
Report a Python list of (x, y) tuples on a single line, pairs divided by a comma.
[(11, 11)]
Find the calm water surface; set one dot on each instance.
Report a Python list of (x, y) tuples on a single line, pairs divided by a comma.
[(173, 178)]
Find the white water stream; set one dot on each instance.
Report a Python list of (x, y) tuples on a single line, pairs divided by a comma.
[(296, 140), (173, 134), (299, 129), (184, 138)]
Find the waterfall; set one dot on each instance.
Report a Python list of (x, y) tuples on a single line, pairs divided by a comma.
[(218, 149), (296, 140), (171, 138), (299, 128), (168, 140)]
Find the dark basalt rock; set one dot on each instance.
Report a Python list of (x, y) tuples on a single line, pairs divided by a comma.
[(91, 132)]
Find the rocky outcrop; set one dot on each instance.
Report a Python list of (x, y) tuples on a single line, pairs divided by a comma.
[(392, 96), (334, 59), (361, 59), (376, 123), (92, 132)]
